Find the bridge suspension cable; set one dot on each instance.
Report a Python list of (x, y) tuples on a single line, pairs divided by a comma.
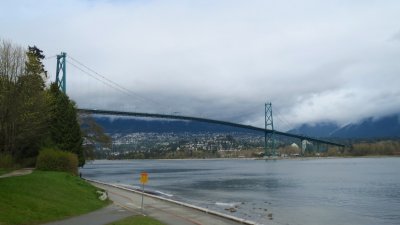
[(96, 78), (90, 72), (50, 57), (103, 79), (282, 119), (191, 118)]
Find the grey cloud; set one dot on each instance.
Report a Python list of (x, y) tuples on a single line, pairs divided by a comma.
[(223, 59), (396, 36)]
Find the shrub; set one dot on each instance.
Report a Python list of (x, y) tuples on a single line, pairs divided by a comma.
[(27, 162), (56, 160), (6, 160)]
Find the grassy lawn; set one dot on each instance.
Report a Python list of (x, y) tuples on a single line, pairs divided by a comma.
[(45, 196), (137, 220), (3, 171)]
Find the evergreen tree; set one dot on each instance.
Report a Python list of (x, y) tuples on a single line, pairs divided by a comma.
[(65, 131), (32, 116), (32, 105), (34, 67)]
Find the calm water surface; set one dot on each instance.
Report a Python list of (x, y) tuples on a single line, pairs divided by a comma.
[(305, 192)]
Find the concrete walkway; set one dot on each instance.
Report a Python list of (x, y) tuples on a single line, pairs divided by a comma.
[(164, 210), (103, 216), (19, 172), (127, 203)]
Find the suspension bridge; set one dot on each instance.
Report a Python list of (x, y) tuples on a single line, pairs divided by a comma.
[(268, 129)]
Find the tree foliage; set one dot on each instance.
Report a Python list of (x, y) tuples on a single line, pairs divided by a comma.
[(64, 127), (56, 160), (33, 116), (388, 147), (23, 104), (94, 136)]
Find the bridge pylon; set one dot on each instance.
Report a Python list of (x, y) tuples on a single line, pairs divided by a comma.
[(269, 140), (61, 82)]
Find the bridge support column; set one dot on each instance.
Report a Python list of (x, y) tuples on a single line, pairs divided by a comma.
[(303, 144), (269, 139), (61, 82)]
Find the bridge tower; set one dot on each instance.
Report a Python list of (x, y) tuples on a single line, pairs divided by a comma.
[(61, 82), (269, 140)]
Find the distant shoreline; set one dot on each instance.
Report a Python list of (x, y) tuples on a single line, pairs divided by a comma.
[(254, 158)]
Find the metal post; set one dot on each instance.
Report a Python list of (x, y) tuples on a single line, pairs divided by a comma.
[(61, 62), (142, 196)]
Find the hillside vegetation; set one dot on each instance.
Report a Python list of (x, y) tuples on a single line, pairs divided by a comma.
[(137, 220), (45, 196), (33, 115)]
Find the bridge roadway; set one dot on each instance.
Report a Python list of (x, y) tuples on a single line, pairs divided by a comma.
[(205, 120)]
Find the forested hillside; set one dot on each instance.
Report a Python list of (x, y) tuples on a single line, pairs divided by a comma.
[(33, 116)]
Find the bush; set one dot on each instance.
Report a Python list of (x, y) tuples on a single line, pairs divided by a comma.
[(27, 162), (6, 160), (56, 160)]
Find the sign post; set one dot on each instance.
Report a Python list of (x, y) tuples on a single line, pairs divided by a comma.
[(143, 179)]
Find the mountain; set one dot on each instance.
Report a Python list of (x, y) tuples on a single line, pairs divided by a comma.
[(134, 125), (316, 130), (371, 128), (385, 127)]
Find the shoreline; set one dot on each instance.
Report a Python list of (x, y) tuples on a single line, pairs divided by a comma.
[(254, 158), (240, 176), (182, 204)]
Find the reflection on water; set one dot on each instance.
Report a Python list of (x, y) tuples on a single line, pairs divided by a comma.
[(323, 191)]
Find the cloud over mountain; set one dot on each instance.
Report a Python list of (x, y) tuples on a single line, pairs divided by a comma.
[(315, 60)]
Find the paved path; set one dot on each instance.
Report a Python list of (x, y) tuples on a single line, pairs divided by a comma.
[(103, 216), (164, 211), (127, 203), (19, 172)]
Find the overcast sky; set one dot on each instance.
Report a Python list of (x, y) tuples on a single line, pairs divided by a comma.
[(316, 61)]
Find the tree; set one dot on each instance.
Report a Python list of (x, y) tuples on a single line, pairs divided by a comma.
[(33, 110), (34, 66), (93, 135), (23, 105), (12, 60), (32, 116), (65, 131)]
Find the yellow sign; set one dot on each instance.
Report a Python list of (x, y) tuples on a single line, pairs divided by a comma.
[(144, 177)]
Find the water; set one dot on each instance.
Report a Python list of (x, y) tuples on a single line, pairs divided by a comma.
[(304, 192)]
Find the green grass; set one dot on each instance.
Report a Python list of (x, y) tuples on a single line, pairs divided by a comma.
[(45, 196), (137, 220), (4, 171)]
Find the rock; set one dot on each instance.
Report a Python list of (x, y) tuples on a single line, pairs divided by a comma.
[(103, 195), (231, 209)]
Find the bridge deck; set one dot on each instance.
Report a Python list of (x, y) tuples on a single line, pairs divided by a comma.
[(205, 120)]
